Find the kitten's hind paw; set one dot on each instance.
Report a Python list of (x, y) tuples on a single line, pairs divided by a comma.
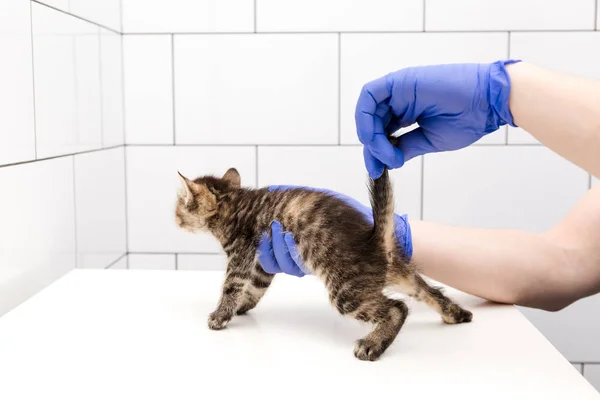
[(217, 321), (457, 315), (368, 350)]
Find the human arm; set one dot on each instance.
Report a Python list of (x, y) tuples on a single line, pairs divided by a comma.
[(560, 110)]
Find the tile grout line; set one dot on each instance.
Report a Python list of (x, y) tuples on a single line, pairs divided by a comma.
[(116, 261), (256, 164), (255, 1), (422, 187), (59, 156), (33, 81), (75, 16), (358, 32), (173, 87), (101, 89), (509, 38), (126, 204), (167, 253), (476, 145), (75, 214), (424, 15), (339, 99), (589, 181), (176, 261)]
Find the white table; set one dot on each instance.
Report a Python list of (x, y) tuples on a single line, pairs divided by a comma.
[(127, 334)]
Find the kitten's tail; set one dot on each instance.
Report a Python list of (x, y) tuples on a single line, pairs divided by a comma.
[(382, 202)]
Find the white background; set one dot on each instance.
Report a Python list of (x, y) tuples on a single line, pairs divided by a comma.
[(103, 101)]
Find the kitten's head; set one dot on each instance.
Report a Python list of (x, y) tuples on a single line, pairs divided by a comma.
[(198, 200)]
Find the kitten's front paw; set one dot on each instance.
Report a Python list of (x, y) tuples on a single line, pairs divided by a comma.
[(217, 320), (368, 350)]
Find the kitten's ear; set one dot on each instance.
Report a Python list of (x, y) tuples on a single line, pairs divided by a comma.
[(186, 185), (233, 177)]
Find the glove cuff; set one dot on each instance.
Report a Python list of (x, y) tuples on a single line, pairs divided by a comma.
[(499, 92), (404, 235)]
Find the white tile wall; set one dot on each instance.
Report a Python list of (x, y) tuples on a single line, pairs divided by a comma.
[(336, 15), (336, 168), (592, 374), (255, 89), (17, 140), (527, 188), (37, 236), (148, 89), (201, 262), (152, 261), (595, 180), (103, 12), (67, 83), (100, 207), (476, 15), (112, 88), (577, 337), (60, 4), (560, 51), (365, 57), (152, 192), (188, 15)]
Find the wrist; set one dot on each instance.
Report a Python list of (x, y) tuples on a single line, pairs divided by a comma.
[(499, 93)]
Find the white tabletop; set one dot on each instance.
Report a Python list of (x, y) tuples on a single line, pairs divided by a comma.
[(143, 335)]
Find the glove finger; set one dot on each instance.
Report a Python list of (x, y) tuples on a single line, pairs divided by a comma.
[(374, 166), (266, 258), (370, 96), (382, 149), (415, 143), (282, 254), (294, 254)]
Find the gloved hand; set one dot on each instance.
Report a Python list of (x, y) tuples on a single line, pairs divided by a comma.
[(280, 254), (454, 105)]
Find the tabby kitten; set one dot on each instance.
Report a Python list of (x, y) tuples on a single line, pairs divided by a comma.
[(357, 261)]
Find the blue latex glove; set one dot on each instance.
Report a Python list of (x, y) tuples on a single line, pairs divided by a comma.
[(454, 105), (280, 254)]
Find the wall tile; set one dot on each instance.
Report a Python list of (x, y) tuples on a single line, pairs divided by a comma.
[(112, 88), (541, 48), (337, 168), (121, 264), (188, 16), (321, 16), (286, 92), (528, 188), (572, 331), (152, 261), (592, 374), (577, 366), (410, 49), (464, 15), (595, 180), (100, 207), (153, 184), (37, 239), (103, 12), (148, 89), (67, 83), (17, 140), (201, 262)]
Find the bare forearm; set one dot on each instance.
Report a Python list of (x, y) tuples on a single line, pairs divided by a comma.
[(561, 111), (548, 271)]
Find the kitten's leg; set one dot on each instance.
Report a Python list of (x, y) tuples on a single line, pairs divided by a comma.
[(237, 279), (259, 283), (369, 305), (388, 316), (415, 286)]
